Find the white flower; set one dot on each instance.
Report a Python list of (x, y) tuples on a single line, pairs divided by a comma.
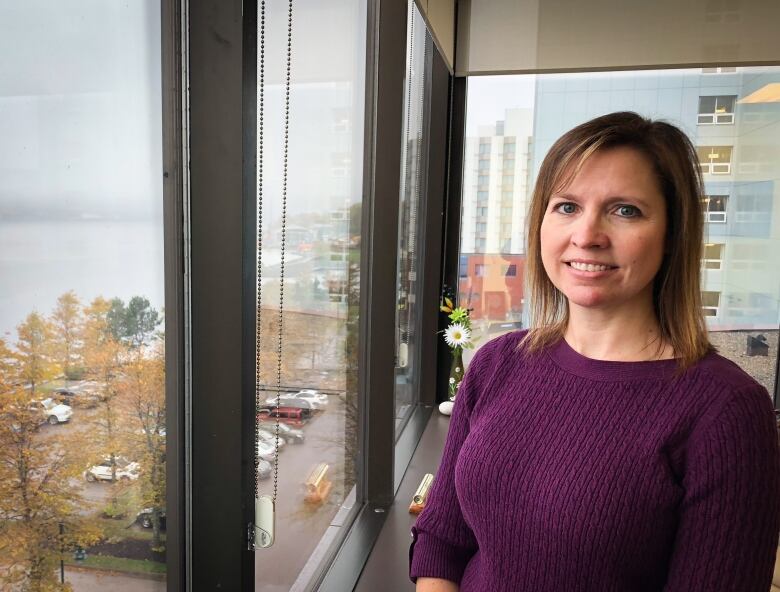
[(457, 335), (452, 380), (457, 369)]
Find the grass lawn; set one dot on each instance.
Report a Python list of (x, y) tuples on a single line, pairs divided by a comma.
[(108, 562)]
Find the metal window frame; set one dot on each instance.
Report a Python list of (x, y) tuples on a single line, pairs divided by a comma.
[(218, 556), (176, 274)]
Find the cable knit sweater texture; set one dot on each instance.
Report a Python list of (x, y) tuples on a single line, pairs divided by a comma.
[(562, 473)]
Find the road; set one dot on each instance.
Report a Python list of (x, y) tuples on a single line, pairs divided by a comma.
[(95, 581)]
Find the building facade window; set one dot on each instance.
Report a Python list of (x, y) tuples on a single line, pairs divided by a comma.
[(714, 208), (717, 110), (480, 269), (710, 302), (713, 255), (715, 160)]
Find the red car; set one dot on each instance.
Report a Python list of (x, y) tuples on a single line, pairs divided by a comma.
[(292, 416)]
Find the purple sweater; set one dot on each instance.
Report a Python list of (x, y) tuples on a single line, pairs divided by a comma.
[(565, 473)]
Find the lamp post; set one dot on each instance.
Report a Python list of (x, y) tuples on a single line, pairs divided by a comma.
[(62, 551)]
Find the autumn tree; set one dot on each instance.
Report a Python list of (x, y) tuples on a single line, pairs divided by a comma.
[(66, 325), (36, 496), (103, 357), (143, 395), (33, 352)]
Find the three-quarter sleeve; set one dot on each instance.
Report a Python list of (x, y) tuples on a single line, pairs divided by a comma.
[(730, 514), (442, 542)]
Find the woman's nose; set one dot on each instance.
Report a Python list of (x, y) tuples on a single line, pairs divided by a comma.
[(588, 232)]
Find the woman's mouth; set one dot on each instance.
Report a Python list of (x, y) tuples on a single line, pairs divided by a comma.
[(589, 266)]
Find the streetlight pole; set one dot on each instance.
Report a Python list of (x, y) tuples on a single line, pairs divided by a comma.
[(62, 551)]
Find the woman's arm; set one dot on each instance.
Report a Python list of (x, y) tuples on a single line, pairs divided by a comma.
[(435, 585), (730, 516)]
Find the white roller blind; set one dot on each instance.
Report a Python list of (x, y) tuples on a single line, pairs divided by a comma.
[(500, 36)]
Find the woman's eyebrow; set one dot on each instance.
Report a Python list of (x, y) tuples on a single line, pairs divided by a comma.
[(608, 201)]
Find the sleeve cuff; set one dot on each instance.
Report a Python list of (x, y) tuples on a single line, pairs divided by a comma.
[(430, 557)]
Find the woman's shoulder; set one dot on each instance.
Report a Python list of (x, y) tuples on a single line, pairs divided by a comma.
[(726, 373), (731, 394), (497, 348)]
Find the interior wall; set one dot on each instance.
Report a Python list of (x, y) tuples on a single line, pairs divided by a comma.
[(505, 36)]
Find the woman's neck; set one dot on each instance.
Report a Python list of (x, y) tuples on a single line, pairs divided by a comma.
[(618, 337)]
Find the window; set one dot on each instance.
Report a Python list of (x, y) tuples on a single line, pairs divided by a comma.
[(509, 165), (463, 266), (713, 256), (717, 109), (482, 181), (710, 302), (715, 160), (411, 202), (482, 196), (703, 102), (481, 227), (484, 164), (484, 146), (480, 270), (82, 334), (509, 270), (714, 207)]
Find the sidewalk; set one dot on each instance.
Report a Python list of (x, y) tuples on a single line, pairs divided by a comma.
[(89, 580)]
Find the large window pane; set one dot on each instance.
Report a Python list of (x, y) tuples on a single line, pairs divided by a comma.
[(82, 401), (410, 219), (322, 267), (740, 162)]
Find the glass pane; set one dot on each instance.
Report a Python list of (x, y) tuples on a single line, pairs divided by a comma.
[(707, 104), (413, 147), (534, 110), (82, 367), (318, 414)]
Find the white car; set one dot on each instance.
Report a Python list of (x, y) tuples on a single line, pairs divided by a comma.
[(268, 436), (306, 399), (125, 470), (266, 450), (52, 411)]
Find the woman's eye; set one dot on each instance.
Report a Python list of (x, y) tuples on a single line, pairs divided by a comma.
[(565, 208), (628, 211)]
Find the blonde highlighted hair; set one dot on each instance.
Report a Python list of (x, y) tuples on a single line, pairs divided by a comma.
[(676, 287)]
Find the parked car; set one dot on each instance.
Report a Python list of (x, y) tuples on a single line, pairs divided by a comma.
[(290, 435), (264, 469), (292, 416), (315, 397), (125, 470), (269, 437), (266, 450), (52, 412), (306, 399), (144, 518), (78, 395)]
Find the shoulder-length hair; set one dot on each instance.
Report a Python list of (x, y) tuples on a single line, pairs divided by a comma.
[(676, 286)]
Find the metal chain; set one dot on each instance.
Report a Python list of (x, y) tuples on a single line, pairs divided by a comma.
[(258, 302), (259, 253), (284, 232), (403, 319)]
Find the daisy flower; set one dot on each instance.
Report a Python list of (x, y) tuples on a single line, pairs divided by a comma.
[(457, 335)]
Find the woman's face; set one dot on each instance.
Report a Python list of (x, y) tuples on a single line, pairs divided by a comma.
[(612, 214)]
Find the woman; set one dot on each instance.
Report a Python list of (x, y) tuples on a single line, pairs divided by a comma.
[(609, 448)]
